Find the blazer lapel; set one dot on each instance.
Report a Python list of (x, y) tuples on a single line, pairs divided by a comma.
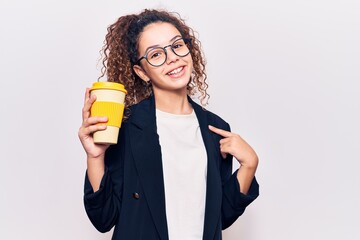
[(146, 151), (213, 185)]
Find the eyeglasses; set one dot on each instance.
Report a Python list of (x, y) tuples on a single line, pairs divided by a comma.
[(157, 56)]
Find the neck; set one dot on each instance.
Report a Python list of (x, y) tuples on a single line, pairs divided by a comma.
[(175, 103)]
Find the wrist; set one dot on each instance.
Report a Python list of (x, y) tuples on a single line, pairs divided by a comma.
[(96, 162), (251, 164), (91, 157)]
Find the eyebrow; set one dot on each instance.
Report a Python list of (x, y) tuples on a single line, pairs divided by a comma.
[(157, 45)]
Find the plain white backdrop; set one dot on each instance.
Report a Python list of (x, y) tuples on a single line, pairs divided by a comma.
[(290, 69)]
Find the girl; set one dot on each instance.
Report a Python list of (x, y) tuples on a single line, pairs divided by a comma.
[(170, 175)]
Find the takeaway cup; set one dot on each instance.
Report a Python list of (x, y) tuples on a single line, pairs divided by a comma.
[(109, 102)]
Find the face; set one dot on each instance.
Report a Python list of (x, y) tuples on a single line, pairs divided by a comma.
[(175, 73)]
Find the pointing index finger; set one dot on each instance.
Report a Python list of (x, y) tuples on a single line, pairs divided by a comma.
[(219, 131)]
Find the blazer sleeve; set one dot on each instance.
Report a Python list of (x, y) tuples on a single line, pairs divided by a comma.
[(233, 201), (103, 206)]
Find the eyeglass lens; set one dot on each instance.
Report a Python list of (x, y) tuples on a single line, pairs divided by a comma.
[(157, 56)]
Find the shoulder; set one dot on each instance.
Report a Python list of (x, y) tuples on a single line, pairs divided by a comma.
[(141, 114), (145, 105)]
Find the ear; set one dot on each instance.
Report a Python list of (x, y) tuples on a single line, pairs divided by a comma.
[(141, 73)]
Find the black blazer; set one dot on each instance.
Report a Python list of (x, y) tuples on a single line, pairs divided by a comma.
[(131, 195)]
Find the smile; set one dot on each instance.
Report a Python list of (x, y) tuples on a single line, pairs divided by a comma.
[(175, 71)]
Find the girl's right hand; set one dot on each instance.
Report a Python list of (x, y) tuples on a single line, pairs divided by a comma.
[(89, 126)]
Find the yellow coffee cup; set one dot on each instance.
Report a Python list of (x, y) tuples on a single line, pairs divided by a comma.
[(110, 97)]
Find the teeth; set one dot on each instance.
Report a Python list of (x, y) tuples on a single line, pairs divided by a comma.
[(175, 71)]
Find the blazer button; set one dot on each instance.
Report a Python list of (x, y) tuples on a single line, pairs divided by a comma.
[(136, 195)]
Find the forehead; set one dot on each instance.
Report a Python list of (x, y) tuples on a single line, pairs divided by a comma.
[(159, 33)]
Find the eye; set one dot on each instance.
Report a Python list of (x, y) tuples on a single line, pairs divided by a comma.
[(155, 53), (178, 44)]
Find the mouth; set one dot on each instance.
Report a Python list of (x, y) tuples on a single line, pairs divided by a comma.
[(175, 72)]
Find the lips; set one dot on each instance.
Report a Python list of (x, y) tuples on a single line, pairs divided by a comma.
[(175, 71)]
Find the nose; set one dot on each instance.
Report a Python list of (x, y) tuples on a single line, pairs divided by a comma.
[(170, 55)]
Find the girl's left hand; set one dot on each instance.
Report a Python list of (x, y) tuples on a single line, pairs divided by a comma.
[(233, 144)]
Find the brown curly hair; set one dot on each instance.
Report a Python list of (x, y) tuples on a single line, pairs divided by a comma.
[(120, 54)]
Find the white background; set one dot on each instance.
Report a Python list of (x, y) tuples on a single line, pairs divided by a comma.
[(284, 74)]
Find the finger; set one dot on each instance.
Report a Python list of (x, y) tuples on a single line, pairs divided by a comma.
[(223, 155), (91, 129), (224, 140), (219, 131), (87, 106), (224, 148), (94, 120), (87, 94)]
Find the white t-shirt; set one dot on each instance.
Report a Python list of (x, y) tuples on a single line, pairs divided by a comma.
[(184, 161)]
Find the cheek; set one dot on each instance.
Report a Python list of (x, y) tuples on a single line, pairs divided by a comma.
[(191, 64), (190, 60), (154, 72)]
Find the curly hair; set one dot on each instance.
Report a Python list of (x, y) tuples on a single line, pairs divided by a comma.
[(120, 54)]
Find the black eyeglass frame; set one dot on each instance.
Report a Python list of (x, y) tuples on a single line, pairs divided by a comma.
[(187, 41)]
